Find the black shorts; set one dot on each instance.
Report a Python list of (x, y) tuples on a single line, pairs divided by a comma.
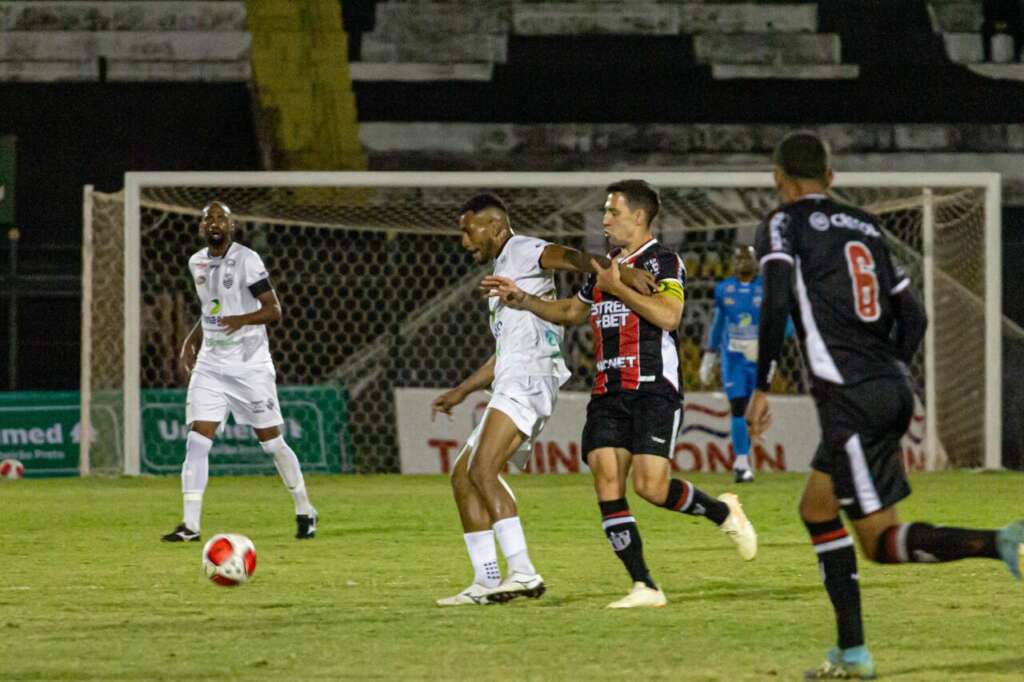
[(861, 429), (643, 423)]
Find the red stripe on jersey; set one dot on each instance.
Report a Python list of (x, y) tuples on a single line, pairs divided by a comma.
[(629, 346), (601, 380)]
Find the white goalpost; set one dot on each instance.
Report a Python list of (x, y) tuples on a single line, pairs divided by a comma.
[(378, 294)]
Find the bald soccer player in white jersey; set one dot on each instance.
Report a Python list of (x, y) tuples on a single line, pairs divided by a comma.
[(233, 370), (524, 374)]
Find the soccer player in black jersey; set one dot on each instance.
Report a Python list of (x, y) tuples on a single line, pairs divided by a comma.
[(860, 323), (635, 409)]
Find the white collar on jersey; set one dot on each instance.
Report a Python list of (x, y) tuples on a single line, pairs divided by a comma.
[(646, 245)]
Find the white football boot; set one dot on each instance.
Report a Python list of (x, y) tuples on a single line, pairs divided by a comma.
[(640, 595), (474, 595), (518, 585), (738, 527)]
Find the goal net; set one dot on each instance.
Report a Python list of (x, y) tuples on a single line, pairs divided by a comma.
[(378, 294)]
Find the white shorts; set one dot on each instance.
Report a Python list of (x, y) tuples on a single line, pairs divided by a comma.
[(528, 402), (250, 394)]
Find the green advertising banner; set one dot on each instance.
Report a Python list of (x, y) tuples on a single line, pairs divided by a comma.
[(7, 159), (41, 429), (315, 426)]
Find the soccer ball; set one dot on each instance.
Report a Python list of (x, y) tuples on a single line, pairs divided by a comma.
[(229, 559), (12, 468)]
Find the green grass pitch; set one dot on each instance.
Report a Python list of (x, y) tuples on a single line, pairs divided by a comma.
[(89, 593)]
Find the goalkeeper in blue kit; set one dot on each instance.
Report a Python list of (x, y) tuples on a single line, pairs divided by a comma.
[(733, 339)]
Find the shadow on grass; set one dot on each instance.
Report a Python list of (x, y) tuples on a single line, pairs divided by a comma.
[(1003, 665)]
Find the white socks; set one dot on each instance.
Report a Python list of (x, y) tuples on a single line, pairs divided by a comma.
[(288, 466), (513, 545), (484, 557), (742, 462), (195, 473)]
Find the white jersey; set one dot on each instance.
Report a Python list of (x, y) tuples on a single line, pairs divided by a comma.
[(222, 284), (525, 344)]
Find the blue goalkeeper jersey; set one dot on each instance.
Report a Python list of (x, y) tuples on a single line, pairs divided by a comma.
[(734, 326)]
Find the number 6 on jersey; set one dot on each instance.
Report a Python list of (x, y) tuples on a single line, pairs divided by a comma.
[(865, 283)]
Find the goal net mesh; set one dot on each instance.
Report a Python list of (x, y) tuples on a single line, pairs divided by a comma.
[(378, 294)]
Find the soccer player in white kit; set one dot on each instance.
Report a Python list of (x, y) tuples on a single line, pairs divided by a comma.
[(233, 370), (524, 374)]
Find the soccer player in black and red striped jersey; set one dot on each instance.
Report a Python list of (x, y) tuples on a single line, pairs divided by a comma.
[(859, 322), (636, 404)]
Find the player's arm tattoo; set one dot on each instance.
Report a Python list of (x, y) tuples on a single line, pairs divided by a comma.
[(558, 257), (775, 306)]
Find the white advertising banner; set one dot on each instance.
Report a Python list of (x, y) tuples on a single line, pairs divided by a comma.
[(430, 447)]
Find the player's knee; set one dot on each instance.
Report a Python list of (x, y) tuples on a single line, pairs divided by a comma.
[(481, 476), (652, 490), (273, 445)]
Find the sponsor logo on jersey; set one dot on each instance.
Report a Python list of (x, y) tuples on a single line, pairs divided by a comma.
[(851, 223), (651, 265), (730, 301), (617, 363), (778, 222), (609, 314), (819, 221)]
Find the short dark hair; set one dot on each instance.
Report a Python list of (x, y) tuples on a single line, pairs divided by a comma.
[(639, 194), (483, 201), (802, 155)]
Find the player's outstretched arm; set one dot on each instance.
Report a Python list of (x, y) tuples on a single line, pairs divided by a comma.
[(563, 311), (480, 379), (664, 311), (558, 257), (270, 311)]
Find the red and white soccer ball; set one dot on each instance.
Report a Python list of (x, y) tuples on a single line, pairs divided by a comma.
[(229, 559), (12, 468)]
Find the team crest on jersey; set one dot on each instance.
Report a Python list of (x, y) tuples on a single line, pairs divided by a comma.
[(819, 221), (229, 279), (729, 288), (230, 262)]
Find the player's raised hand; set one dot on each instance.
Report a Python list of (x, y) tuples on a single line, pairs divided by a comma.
[(445, 402), (503, 288), (609, 280), (759, 414), (639, 280)]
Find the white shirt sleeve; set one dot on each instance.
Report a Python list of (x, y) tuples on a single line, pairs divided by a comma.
[(253, 269), (525, 255)]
